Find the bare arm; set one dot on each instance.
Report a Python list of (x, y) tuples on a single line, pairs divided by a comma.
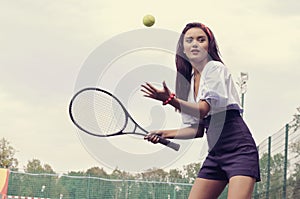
[(199, 109), (184, 133)]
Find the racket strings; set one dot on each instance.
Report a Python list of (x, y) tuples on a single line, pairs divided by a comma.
[(98, 113), (110, 115)]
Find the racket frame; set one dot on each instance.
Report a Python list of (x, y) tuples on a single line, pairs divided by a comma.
[(162, 140)]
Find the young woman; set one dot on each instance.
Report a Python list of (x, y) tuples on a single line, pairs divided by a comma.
[(207, 98)]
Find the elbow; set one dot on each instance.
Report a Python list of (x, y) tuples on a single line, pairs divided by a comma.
[(198, 130), (204, 108)]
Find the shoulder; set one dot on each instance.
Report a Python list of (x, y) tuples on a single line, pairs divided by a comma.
[(214, 66)]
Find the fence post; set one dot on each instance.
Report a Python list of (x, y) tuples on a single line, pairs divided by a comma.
[(269, 167), (285, 160)]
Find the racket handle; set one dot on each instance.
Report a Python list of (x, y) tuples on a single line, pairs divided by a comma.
[(168, 143)]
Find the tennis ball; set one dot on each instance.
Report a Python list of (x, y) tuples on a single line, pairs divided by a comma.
[(148, 20)]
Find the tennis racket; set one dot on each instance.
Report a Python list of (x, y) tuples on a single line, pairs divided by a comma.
[(99, 113)]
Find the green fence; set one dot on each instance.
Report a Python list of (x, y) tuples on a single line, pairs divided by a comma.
[(84, 187), (279, 165)]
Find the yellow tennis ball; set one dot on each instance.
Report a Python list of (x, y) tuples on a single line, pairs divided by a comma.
[(148, 20)]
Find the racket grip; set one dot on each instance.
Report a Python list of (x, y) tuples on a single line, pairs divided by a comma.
[(168, 143)]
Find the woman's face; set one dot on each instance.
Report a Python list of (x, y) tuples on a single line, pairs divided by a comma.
[(195, 45)]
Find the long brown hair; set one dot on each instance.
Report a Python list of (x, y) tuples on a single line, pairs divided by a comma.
[(184, 67)]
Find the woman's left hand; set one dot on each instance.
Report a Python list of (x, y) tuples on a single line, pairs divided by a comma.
[(153, 136), (154, 93)]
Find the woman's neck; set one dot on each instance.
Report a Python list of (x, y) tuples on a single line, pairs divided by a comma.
[(199, 66)]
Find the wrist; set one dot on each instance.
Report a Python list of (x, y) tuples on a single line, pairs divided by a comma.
[(171, 97)]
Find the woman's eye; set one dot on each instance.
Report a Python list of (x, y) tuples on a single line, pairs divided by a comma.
[(188, 40)]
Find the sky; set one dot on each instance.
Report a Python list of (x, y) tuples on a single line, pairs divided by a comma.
[(47, 45)]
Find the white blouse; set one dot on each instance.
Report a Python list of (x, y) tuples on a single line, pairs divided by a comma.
[(217, 88)]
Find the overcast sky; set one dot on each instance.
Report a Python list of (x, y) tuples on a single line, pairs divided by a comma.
[(45, 44)]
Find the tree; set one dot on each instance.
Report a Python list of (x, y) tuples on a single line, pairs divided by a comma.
[(276, 179), (191, 171), (264, 168), (38, 185), (7, 153), (275, 172), (97, 172), (295, 148), (175, 175), (35, 166), (296, 120), (155, 175), (295, 153), (76, 173)]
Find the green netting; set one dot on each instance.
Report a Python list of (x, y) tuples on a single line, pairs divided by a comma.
[(279, 166), (81, 187)]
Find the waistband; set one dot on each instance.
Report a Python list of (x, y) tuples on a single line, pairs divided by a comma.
[(224, 115)]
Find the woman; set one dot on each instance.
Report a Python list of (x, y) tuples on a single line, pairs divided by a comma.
[(206, 97)]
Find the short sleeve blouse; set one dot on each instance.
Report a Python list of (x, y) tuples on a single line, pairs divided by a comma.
[(217, 88)]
